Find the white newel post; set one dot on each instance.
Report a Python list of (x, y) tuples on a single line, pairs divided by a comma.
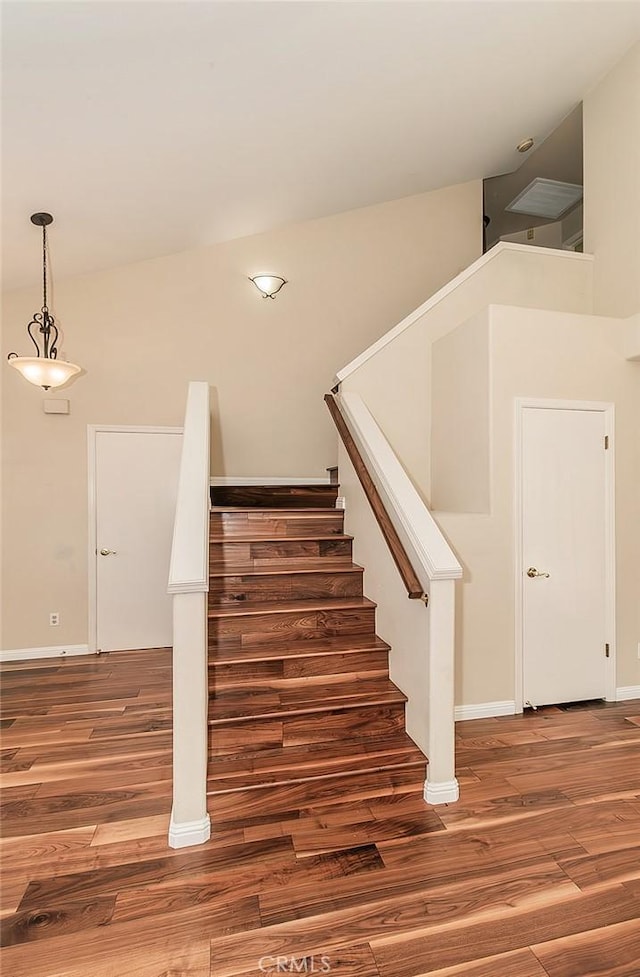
[(190, 823), (189, 585), (441, 786)]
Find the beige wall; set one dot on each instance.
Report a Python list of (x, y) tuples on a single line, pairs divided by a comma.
[(565, 354), (143, 331), (553, 356), (532, 277), (460, 425), (612, 187)]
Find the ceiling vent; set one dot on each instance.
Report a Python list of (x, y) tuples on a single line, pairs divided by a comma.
[(546, 198)]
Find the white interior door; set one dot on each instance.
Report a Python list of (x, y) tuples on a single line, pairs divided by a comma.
[(564, 542), (136, 478)]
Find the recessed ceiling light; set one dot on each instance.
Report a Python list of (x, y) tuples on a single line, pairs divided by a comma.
[(525, 145), (546, 198)]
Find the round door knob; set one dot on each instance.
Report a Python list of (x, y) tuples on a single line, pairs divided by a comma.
[(107, 552)]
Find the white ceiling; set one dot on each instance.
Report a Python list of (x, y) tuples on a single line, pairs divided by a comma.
[(150, 127)]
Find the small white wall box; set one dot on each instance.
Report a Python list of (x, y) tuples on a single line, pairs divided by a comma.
[(55, 406)]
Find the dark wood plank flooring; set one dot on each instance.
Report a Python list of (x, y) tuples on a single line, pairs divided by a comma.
[(534, 873)]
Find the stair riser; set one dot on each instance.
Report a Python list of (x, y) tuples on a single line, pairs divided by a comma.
[(275, 496), (252, 806), (272, 524), (290, 586), (289, 672), (264, 554), (289, 626), (339, 725)]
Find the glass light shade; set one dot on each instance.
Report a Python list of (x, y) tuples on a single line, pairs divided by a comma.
[(43, 371), (268, 284)]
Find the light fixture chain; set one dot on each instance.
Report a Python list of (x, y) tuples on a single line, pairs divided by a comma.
[(44, 267)]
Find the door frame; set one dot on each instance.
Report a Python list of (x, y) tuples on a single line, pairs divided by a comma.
[(92, 544), (608, 411)]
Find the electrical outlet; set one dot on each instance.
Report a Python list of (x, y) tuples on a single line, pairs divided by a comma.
[(54, 619)]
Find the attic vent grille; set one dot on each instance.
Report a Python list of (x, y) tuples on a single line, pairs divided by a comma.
[(546, 198)]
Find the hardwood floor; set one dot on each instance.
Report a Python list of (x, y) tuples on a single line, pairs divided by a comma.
[(534, 873)]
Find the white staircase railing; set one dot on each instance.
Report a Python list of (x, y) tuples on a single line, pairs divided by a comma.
[(189, 585), (422, 660)]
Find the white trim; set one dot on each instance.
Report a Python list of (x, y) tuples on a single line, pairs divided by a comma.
[(486, 710), (220, 480), (608, 409), (542, 403), (92, 431), (442, 293), (51, 651), (189, 833), (443, 792), (624, 692)]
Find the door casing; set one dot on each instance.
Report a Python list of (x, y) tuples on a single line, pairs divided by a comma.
[(608, 410), (92, 431)]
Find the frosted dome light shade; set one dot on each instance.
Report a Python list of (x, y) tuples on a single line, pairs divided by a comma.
[(268, 284), (43, 371)]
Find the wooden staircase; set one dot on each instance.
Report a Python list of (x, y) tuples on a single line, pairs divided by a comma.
[(301, 706)]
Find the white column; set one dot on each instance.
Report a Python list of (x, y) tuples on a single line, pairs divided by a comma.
[(441, 786), (190, 823)]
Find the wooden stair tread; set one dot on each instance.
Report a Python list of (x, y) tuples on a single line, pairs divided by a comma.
[(274, 758), (252, 538), (311, 647), (234, 706), (247, 608), (297, 764), (292, 566), (277, 512), (301, 495)]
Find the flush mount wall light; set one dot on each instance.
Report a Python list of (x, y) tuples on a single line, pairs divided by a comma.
[(269, 285), (45, 369)]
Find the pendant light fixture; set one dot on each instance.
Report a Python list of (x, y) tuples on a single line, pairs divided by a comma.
[(45, 369)]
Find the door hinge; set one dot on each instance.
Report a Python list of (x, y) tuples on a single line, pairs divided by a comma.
[(606, 442), (606, 651)]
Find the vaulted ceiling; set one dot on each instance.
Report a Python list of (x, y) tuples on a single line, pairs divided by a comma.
[(150, 127)]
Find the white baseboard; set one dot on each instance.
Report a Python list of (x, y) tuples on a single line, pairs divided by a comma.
[(443, 792), (624, 692), (269, 480), (485, 710), (189, 832), (52, 651)]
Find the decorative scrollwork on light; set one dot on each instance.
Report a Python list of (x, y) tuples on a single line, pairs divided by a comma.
[(45, 324)]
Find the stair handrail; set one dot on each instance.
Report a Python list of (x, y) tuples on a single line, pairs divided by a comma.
[(416, 541), (401, 559), (383, 473), (189, 585)]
